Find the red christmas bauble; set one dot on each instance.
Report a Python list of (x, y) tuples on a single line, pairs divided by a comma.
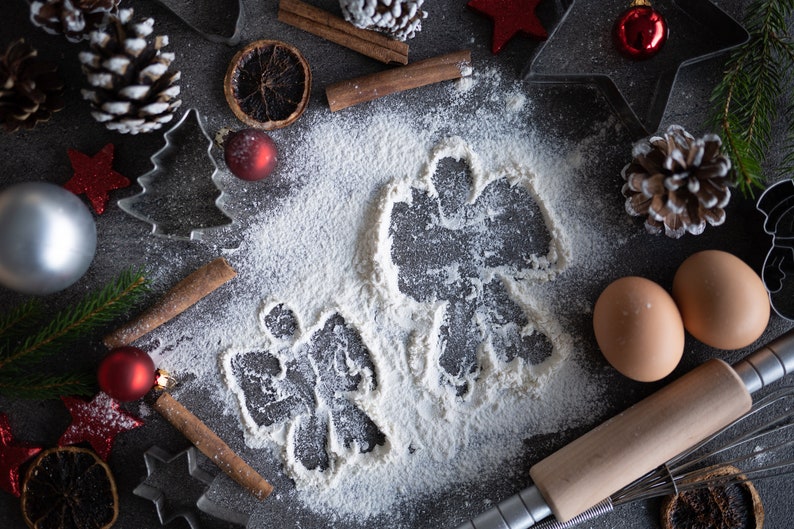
[(126, 373), (250, 154), (640, 32)]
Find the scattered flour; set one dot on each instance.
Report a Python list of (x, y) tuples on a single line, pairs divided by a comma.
[(324, 252)]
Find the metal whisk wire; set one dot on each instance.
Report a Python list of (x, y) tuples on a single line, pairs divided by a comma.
[(759, 443)]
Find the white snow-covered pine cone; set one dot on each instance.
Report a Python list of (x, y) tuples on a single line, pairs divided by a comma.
[(400, 19), (132, 85)]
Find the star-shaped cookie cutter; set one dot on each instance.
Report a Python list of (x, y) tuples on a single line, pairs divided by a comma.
[(580, 50), (777, 206), (179, 471)]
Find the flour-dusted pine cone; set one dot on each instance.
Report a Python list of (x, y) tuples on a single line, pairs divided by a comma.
[(678, 183), (400, 19), (76, 19), (132, 84), (30, 88)]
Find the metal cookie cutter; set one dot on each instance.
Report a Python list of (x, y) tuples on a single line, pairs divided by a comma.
[(178, 199), (217, 21), (777, 205), (580, 50)]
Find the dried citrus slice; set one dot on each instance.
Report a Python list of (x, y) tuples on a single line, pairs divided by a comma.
[(719, 506), (267, 84), (69, 488)]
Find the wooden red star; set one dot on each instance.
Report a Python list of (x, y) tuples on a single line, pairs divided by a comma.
[(96, 422), (509, 18), (12, 455), (94, 176)]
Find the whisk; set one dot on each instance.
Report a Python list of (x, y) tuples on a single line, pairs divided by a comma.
[(760, 444), (667, 443)]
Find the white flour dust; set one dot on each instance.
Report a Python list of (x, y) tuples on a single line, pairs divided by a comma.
[(379, 375)]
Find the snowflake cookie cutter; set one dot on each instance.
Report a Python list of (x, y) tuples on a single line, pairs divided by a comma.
[(221, 14), (175, 199), (637, 91), (777, 206)]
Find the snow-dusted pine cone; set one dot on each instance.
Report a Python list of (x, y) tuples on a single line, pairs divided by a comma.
[(400, 19), (30, 88), (76, 19), (132, 84), (678, 183)]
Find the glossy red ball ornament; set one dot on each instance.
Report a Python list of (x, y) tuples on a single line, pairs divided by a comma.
[(640, 32), (126, 373), (250, 154)]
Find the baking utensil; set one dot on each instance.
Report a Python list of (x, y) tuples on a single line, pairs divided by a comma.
[(757, 445), (579, 477), (579, 50), (777, 205), (180, 196)]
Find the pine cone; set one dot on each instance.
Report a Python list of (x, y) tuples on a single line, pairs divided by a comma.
[(133, 88), (678, 182), (400, 19), (76, 19), (30, 88)]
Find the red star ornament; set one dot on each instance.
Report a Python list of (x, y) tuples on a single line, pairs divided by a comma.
[(97, 422), (510, 17), (94, 176), (12, 455)]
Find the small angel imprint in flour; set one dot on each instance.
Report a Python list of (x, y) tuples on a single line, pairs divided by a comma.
[(306, 383)]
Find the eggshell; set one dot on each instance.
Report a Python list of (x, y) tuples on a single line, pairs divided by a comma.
[(722, 301), (639, 329)]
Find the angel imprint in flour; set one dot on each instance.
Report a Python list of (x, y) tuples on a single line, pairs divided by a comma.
[(303, 387), (466, 245)]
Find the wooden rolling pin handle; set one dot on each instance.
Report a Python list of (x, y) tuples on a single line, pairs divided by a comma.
[(212, 446), (606, 459)]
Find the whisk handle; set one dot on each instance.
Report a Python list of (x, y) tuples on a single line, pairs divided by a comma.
[(771, 362)]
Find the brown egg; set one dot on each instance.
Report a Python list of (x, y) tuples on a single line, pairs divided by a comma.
[(722, 301), (639, 329)]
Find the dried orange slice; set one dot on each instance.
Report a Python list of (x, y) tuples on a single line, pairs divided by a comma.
[(267, 84), (69, 488)]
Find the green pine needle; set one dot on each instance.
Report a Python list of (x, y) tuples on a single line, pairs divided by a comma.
[(757, 77), (44, 386), (22, 353)]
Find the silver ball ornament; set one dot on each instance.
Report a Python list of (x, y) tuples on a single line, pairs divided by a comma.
[(47, 238)]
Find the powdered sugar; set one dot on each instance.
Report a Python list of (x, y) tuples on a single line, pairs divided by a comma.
[(454, 371)]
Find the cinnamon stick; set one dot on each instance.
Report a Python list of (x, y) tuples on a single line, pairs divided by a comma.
[(337, 30), (212, 446), (359, 90), (182, 296)]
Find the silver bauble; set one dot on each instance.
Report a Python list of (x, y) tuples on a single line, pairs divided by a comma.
[(47, 238)]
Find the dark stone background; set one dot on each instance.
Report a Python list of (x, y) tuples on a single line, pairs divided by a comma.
[(574, 111)]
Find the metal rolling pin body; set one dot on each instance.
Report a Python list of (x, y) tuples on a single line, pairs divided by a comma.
[(598, 464)]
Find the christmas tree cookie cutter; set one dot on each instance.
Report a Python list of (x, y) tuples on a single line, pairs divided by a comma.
[(777, 206), (217, 21), (580, 51), (177, 198)]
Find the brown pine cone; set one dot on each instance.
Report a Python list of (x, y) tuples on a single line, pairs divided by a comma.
[(132, 84), (678, 183), (76, 19), (30, 88)]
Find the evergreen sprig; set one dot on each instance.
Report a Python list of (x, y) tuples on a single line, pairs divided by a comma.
[(757, 76), (26, 339)]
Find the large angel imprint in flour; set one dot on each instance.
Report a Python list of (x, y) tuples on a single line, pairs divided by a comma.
[(305, 384), (462, 240)]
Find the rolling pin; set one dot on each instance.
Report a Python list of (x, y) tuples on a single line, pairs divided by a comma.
[(645, 436)]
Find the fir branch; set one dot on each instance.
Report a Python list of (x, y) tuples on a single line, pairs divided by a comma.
[(747, 97), (17, 323), (44, 386), (70, 324)]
